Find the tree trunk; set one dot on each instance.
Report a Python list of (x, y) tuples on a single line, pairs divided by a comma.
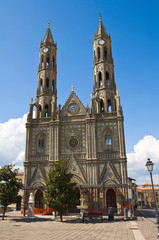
[(61, 217), (4, 210)]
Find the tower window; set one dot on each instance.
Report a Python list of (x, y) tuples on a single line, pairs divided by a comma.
[(41, 144), (41, 85), (46, 110), (94, 55), (53, 61), (42, 60), (107, 75), (47, 83), (52, 86), (109, 106), (99, 57), (108, 140), (39, 111), (101, 106), (47, 62), (105, 52), (107, 79), (100, 78)]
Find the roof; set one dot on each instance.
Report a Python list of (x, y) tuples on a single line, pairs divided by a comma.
[(48, 36), (20, 174), (101, 30)]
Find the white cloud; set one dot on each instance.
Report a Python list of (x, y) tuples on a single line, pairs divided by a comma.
[(148, 147), (12, 142)]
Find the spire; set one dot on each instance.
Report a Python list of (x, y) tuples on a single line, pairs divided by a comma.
[(48, 36), (101, 29)]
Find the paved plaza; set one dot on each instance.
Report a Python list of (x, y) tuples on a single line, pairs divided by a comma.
[(44, 228)]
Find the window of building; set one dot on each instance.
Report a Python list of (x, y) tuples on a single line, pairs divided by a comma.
[(40, 111), (53, 61), (47, 62), (100, 78), (99, 57), (109, 106), (108, 140), (46, 110), (52, 86), (41, 144), (42, 61), (41, 85), (105, 52), (47, 83), (101, 105)]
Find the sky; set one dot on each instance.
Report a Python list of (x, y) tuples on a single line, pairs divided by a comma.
[(134, 29)]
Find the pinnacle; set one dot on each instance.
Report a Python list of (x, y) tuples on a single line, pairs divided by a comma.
[(48, 36), (101, 29)]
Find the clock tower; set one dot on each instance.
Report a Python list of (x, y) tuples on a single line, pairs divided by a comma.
[(104, 83), (46, 96)]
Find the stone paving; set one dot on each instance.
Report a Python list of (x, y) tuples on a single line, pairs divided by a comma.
[(19, 228)]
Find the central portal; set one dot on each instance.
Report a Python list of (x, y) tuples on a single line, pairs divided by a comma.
[(39, 199), (111, 198)]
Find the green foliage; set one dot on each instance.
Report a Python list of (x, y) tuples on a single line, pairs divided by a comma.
[(9, 186), (60, 193)]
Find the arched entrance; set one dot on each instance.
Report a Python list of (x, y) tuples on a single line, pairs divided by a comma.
[(39, 199), (111, 198), (75, 209)]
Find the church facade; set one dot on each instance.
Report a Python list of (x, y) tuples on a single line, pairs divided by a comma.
[(91, 139)]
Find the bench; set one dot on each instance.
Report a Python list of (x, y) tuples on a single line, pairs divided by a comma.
[(93, 215)]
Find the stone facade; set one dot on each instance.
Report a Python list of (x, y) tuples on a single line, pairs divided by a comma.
[(91, 139)]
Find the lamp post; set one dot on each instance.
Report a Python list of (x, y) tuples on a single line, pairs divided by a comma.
[(149, 166)]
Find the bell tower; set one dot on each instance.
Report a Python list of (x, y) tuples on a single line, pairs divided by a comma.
[(104, 83), (46, 96)]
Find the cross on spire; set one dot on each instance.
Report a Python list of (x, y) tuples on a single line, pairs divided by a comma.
[(49, 23), (100, 17)]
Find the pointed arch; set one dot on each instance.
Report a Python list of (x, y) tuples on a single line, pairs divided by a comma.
[(53, 61), (99, 55), (40, 143), (47, 82), (111, 198), (100, 78), (107, 79), (46, 110), (41, 85), (52, 86), (108, 137), (47, 61), (107, 75), (101, 105), (105, 52), (39, 203), (42, 60), (109, 106), (40, 111)]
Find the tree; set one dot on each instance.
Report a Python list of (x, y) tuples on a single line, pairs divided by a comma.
[(9, 187), (60, 192)]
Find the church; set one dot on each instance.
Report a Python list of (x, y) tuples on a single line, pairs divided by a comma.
[(90, 138)]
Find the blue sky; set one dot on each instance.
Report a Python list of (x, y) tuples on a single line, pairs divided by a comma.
[(134, 30)]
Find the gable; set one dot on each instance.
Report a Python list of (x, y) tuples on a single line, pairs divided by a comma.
[(73, 106)]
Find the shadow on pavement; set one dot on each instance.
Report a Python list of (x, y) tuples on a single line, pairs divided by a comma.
[(27, 220)]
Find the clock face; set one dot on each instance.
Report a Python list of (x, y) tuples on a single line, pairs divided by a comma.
[(45, 50), (72, 108), (101, 41)]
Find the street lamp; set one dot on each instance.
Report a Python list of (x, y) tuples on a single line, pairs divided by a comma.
[(149, 166)]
